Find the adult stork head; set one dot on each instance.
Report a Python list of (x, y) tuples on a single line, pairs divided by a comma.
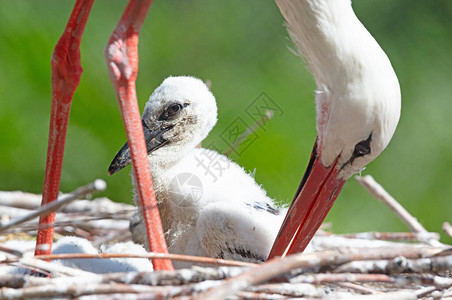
[(357, 106)]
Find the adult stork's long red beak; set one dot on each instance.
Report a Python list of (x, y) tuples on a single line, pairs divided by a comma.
[(317, 192), (357, 105)]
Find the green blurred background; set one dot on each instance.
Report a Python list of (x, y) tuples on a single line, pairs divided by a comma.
[(242, 47)]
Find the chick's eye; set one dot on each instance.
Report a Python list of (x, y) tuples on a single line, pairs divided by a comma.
[(174, 109)]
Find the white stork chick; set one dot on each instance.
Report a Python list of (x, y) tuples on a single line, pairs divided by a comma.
[(226, 216)]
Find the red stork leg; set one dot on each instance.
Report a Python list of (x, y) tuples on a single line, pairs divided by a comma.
[(121, 54), (66, 73)]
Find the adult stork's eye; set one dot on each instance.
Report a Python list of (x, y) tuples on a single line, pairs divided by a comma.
[(362, 148)]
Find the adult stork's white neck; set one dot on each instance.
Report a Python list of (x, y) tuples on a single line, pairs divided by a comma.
[(357, 105)]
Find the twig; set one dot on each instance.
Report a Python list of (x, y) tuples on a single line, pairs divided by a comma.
[(401, 281), (425, 291), (447, 293), (259, 295), (19, 203), (334, 242), (399, 295), (176, 278), (399, 265), (447, 228), (52, 268), (75, 290), (15, 281), (20, 199), (97, 185), (343, 277), (13, 211), (180, 257), (391, 236), (404, 294), (280, 266), (68, 287), (267, 116), (85, 223), (289, 289), (99, 205), (180, 282), (195, 281), (357, 287), (11, 251), (369, 183)]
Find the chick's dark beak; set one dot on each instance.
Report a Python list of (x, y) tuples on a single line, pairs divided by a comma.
[(154, 140)]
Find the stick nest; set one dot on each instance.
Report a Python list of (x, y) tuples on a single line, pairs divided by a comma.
[(395, 265)]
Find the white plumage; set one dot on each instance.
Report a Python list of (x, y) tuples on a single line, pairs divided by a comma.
[(72, 244), (358, 94), (209, 205), (357, 106)]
